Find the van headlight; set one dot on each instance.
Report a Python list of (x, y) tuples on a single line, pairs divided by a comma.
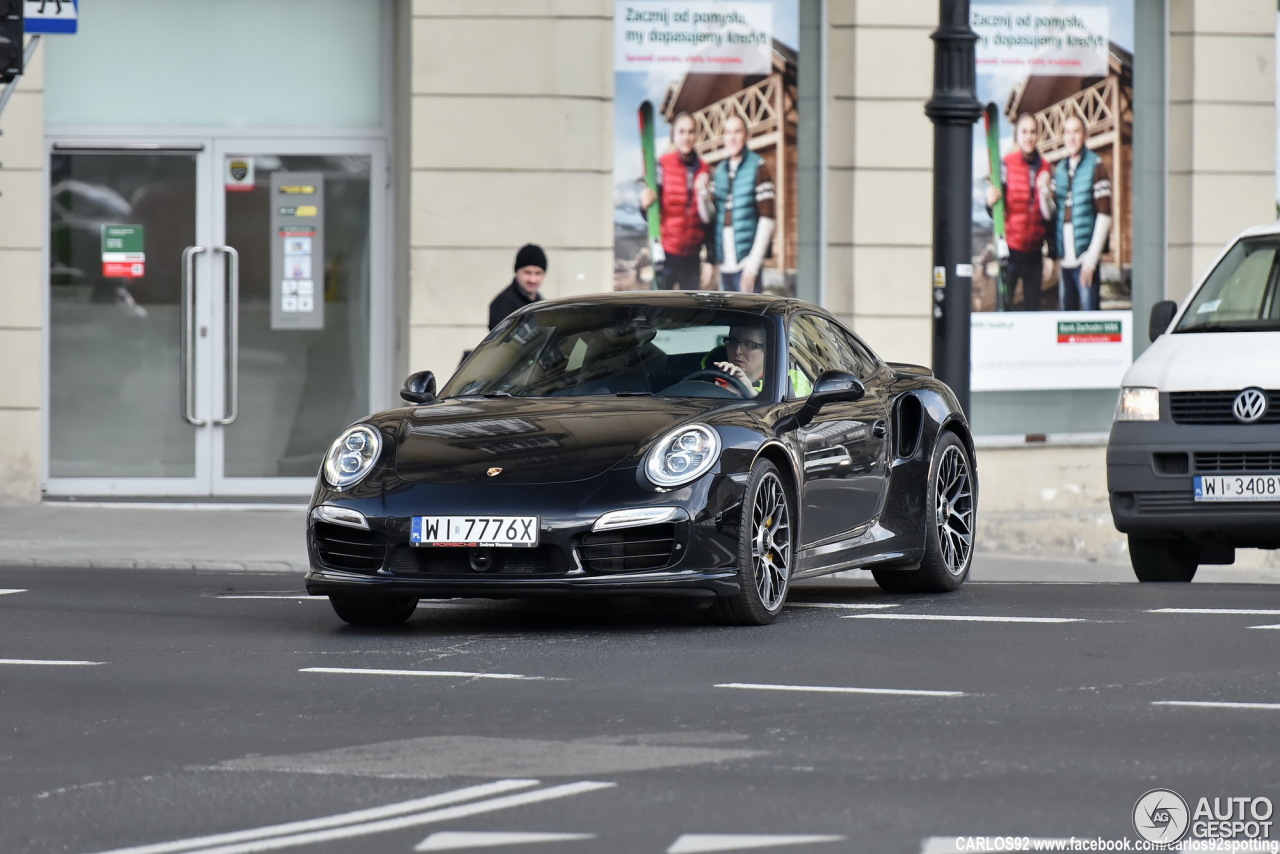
[(683, 455), (1139, 404), (352, 455)]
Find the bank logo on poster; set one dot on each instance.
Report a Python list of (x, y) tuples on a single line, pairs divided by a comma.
[(1052, 195)]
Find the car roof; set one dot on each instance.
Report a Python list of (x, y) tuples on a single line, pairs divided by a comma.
[(754, 303), (1260, 230)]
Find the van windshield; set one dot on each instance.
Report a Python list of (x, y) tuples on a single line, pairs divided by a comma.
[(1240, 294)]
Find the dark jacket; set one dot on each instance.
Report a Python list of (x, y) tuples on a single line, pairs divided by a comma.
[(508, 300)]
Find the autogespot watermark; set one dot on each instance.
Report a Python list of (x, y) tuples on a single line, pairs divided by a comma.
[(1164, 817)]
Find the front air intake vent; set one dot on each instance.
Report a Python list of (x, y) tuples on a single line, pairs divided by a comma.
[(353, 549), (629, 549)]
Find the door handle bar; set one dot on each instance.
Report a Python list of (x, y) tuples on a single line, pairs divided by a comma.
[(189, 335), (233, 335)]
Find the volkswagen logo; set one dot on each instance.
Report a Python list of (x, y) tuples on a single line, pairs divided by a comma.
[(1250, 405)]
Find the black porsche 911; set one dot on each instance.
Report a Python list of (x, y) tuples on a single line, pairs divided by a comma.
[(699, 444)]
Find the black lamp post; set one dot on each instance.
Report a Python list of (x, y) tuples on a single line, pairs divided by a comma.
[(953, 109)]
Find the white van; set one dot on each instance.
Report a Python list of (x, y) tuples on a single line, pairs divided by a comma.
[(1193, 461)]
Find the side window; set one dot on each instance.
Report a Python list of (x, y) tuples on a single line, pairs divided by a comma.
[(866, 363), (819, 345)]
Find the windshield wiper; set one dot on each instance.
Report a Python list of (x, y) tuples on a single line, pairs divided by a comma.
[(497, 394), (1229, 327), (633, 394)]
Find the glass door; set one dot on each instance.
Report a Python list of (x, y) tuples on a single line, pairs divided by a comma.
[(211, 308), (122, 392), (298, 227)]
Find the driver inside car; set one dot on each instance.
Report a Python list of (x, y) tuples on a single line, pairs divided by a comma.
[(744, 360), (744, 357)]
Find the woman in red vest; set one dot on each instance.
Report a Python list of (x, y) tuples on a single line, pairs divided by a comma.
[(682, 178), (1025, 176)]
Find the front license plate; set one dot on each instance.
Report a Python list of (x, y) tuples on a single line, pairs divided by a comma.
[(1238, 487), (475, 531)]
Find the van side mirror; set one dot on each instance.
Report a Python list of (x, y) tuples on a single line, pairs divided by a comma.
[(419, 387), (1161, 316)]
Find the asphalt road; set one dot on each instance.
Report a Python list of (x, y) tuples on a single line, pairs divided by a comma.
[(157, 711)]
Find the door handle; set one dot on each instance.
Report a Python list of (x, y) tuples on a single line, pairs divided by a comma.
[(879, 430), (189, 335), (233, 335)]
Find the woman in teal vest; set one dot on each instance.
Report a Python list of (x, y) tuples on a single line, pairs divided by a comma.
[(744, 211), (1082, 195)]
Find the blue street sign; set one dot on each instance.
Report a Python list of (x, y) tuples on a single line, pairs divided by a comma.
[(51, 17)]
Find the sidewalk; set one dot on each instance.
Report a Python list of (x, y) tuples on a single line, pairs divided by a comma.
[(257, 538)]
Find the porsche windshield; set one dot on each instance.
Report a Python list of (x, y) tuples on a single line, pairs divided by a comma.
[(1240, 294), (580, 350)]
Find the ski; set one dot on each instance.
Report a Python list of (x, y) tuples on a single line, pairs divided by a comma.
[(651, 181), (991, 118)]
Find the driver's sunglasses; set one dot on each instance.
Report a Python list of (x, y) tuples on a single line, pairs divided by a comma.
[(743, 343)]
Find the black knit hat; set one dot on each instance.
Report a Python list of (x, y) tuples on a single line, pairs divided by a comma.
[(531, 255)]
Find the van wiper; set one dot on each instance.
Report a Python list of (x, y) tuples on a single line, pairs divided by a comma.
[(1229, 327)]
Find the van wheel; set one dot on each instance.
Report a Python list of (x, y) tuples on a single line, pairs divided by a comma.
[(1156, 559)]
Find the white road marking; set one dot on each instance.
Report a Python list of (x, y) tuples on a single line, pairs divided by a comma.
[(50, 662), (1205, 704), (957, 618), (389, 824), (3, 592), (450, 840), (295, 597), (1273, 626), (841, 605), (699, 843), (363, 671), (821, 689), (373, 813), (1245, 611)]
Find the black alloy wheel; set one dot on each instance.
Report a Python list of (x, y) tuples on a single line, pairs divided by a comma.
[(951, 504), (765, 551)]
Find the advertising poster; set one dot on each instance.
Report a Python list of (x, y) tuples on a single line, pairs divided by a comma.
[(1052, 195), (705, 160)]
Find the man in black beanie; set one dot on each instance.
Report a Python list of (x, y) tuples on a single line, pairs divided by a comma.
[(531, 266)]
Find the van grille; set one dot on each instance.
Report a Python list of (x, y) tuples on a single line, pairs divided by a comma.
[(1238, 461), (1214, 407)]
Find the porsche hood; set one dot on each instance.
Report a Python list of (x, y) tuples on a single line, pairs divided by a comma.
[(531, 440)]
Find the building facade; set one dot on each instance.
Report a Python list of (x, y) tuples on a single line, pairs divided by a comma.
[(325, 195)]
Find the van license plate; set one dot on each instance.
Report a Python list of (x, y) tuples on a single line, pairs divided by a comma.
[(1238, 487), (475, 531)]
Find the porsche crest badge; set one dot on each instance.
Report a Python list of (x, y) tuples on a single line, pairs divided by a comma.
[(495, 471)]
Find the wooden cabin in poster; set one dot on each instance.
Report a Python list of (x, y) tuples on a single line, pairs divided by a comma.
[(767, 104)]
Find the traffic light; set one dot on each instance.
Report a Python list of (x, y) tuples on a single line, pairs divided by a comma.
[(11, 27)]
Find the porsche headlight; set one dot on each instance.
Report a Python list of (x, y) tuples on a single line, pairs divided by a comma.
[(683, 455), (1138, 404), (352, 455)]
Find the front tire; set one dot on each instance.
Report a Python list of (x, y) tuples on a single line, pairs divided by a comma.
[(765, 551), (1161, 560), (380, 610), (952, 504)]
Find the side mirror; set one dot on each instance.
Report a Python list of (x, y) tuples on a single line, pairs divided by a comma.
[(833, 386), (1161, 316), (419, 387)]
